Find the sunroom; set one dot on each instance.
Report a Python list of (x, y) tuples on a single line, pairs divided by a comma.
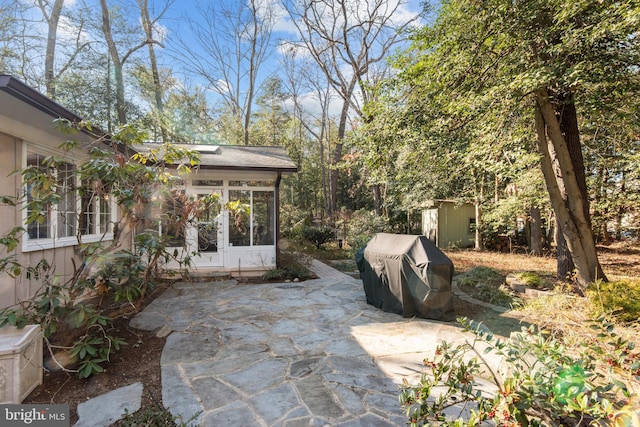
[(238, 232)]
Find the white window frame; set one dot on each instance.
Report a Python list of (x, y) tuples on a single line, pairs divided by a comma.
[(251, 190), (96, 203), (29, 244)]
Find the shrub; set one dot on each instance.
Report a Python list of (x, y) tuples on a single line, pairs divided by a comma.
[(363, 225), (290, 266), (542, 381), (317, 235), (291, 219), (620, 298)]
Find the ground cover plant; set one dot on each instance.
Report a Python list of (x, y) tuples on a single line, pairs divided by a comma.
[(542, 381), (577, 362), (488, 285)]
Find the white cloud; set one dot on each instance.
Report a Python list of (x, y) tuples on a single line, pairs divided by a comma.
[(68, 32)]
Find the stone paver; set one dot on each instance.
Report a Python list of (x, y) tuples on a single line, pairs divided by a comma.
[(104, 410), (285, 355)]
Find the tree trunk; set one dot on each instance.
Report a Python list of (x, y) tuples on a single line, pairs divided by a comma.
[(535, 225), (117, 64), (568, 119), (564, 263), (573, 223), (50, 56), (569, 127), (621, 210), (337, 156), (147, 26), (377, 200), (478, 232)]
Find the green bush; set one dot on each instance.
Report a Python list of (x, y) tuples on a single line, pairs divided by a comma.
[(317, 235), (363, 225), (620, 298), (291, 219), (541, 382)]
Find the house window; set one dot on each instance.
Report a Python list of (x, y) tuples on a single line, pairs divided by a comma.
[(251, 183), (96, 214), (207, 183), (41, 228), (65, 188), (78, 211), (208, 222), (251, 217), (239, 208), (263, 218), (57, 219)]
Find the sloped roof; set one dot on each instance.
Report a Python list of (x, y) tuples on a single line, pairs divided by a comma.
[(12, 90), (237, 157)]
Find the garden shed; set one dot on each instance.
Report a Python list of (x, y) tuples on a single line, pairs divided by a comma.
[(407, 275), (449, 223)]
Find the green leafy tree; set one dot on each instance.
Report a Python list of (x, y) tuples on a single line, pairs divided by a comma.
[(484, 62), (270, 123), (189, 116)]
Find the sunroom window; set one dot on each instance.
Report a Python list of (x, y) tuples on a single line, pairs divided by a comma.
[(251, 217)]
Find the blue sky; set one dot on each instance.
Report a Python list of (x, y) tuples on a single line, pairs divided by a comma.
[(176, 22), (183, 11)]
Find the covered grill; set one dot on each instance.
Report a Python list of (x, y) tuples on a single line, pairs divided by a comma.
[(407, 275)]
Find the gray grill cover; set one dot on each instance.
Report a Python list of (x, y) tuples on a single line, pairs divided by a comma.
[(407, 275)]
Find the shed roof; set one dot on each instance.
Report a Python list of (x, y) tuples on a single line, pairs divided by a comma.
[(237, 157)]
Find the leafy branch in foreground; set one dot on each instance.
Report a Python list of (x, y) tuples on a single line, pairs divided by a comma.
[(541, 381), (111, 276)]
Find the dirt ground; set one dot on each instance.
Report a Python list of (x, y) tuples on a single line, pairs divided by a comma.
[(139, 361)]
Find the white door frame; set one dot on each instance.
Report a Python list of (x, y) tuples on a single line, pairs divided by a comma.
[(206, 258)]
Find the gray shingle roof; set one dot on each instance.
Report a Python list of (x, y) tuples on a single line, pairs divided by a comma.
[(237, 157)]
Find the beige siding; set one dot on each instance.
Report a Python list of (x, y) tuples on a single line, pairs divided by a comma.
[(448, 224), (12, 291), (454, 225), (8, 214)]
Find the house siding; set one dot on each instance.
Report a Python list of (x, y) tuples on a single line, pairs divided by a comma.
[(8, 214), (14, 290)]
